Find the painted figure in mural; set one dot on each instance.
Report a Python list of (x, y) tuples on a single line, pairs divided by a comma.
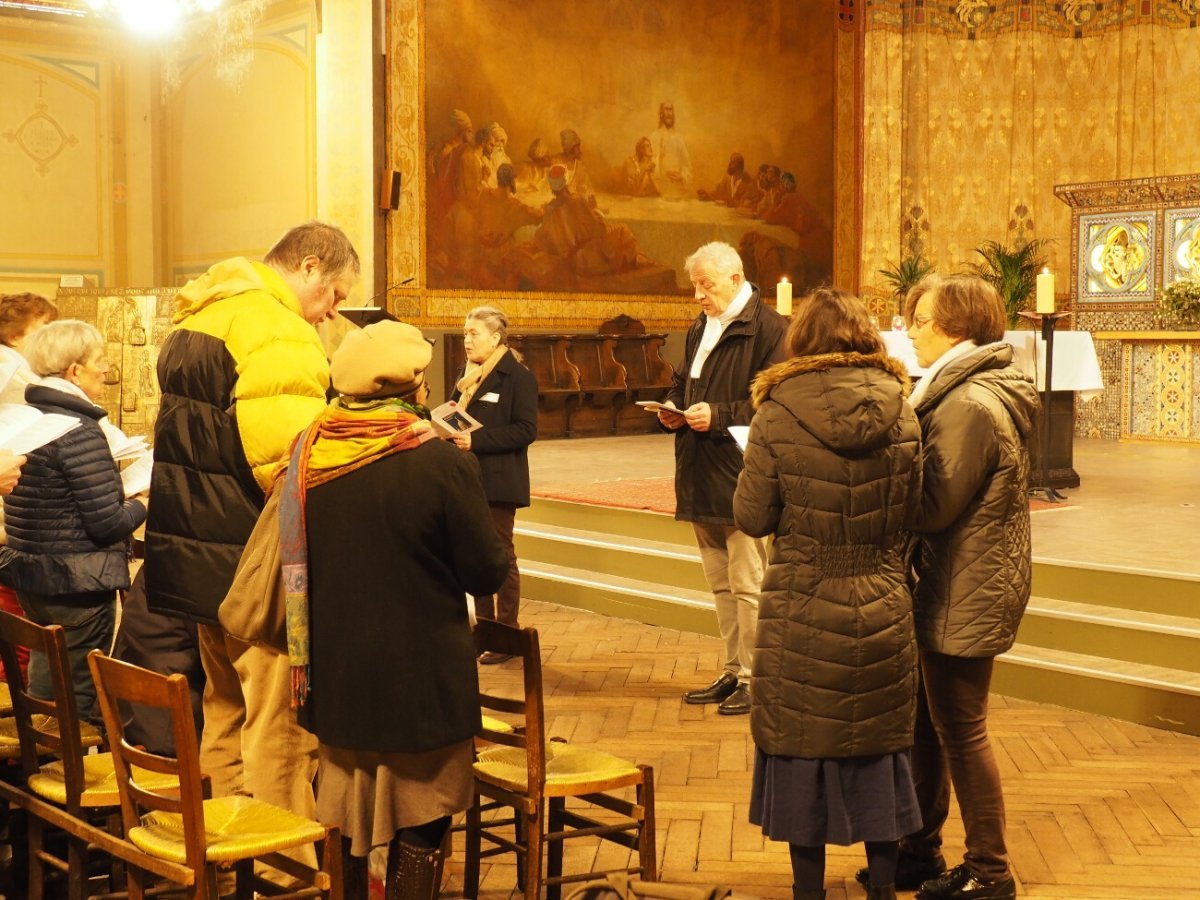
[(770, 188), (571, 159), (736, 188), (498, 155), (671, 158), (531, 175), (636, 176), (1120, 259), (499, 216), (574, 242)]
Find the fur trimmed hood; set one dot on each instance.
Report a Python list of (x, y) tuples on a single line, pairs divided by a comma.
[(798, 365), (850, 402)]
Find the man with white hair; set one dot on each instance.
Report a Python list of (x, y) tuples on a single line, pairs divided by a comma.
[(734, 338)]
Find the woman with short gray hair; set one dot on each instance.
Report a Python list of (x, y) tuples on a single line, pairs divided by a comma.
[(69, 522), (502, 394)]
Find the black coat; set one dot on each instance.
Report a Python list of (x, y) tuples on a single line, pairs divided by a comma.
[(394, 547), (509, 427), (707, 463), (833, 470), (68, 520)]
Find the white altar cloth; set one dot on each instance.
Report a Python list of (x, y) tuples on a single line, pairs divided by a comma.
[(1076, 367)]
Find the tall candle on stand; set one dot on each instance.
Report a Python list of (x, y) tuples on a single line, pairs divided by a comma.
[(1045, 292), (783, 297)]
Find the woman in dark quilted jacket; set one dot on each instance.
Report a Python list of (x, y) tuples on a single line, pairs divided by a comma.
[(68, 520), (832, 469)]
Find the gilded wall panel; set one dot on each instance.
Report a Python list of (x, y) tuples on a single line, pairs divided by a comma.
[(1001, 101)]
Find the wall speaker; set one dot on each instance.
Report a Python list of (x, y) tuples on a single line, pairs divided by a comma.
[(389, 189)]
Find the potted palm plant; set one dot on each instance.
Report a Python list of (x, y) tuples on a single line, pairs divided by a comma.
[(1012, 271), (904, 274)]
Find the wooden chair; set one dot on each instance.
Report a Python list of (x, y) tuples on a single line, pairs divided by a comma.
[(184, 836), (55, 767), (601, 383), (535, 779)]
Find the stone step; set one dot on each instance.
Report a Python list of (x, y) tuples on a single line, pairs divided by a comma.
[(1137, 692)]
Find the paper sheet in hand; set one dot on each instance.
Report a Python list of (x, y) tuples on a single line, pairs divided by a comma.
[(449, 419), (23, 428), (656, 407), (129, 448), (135, 477), (741, 434)]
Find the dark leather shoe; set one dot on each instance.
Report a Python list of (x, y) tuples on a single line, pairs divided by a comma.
[(715, 692), (737, 703), (491, 658), (911, 871), (960, 882)]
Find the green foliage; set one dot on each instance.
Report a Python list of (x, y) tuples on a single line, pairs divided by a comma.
[(1181, 299), (1012, 271), (904, 274)]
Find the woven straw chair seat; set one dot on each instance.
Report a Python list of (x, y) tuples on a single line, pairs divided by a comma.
[(493, 724), (99, 782), (10, 744), (234, 828), (567, 767)]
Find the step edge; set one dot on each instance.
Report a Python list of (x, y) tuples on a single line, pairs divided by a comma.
[(1072, 664), (586, 538), (615, 583), (1180, 627)]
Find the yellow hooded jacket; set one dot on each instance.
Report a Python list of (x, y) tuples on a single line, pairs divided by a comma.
[(241, 374)]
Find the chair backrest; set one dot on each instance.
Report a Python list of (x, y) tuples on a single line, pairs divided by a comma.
[(44, 727), (523, 643), (120, 683)]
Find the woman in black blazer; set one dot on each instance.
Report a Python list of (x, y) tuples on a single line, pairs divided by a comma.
[(502, 395)]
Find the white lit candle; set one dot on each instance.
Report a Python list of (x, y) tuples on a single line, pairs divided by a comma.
[(783, 297), (1045, 292)]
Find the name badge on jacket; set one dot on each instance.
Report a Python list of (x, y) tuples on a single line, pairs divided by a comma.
[(490, 397)]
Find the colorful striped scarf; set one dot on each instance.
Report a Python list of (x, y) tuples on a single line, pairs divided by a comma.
[(347, 436)]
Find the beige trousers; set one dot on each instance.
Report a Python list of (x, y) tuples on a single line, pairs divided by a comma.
[(734, 564), (252, 743)]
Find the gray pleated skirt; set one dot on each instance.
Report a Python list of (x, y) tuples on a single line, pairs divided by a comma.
[(834, 801), (370, 796)]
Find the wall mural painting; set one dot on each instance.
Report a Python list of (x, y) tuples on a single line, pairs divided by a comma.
[(1116, 257), (1183, 243), (590, 147)]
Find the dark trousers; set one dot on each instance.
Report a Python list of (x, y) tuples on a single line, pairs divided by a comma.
[(509, 598), (88, 620), (951, 746)]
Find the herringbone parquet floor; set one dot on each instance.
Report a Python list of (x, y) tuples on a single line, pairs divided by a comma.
[(1098, 809)]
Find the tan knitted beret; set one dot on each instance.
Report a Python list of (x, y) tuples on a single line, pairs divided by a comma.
[(385, 359)]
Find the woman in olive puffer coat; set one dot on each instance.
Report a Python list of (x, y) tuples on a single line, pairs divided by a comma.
[(832, 469)]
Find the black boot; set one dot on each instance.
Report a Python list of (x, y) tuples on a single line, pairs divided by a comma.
[(354, 874), (413, 873), (807, 895), (881, 892)]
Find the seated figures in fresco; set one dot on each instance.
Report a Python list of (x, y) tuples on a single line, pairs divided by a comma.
[(499, 216), (1121, 259), (636, 175), (767, 258), (736, 189), (574, 246), (571, 159), (531, 175)]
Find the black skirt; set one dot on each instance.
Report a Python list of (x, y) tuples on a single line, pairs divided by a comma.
[(811, 802)]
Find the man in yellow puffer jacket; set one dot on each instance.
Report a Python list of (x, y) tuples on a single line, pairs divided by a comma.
[(241, 373)]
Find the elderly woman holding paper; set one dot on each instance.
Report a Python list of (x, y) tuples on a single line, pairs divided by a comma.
[(69, 522), (495, 389)]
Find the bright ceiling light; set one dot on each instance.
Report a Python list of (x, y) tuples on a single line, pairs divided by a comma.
[(154, 18)]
